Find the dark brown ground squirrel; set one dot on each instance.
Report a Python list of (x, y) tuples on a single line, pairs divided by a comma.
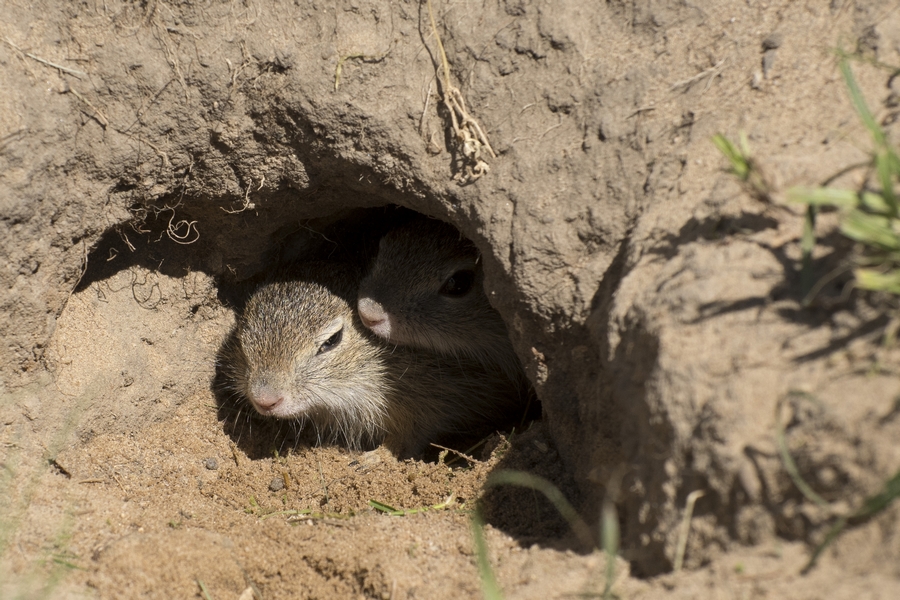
[(425, 289)]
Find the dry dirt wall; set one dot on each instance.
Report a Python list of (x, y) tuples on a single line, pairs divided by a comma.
[(653, 303)]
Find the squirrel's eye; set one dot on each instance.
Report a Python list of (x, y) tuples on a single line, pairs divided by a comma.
[(331, 342), (459, 284)]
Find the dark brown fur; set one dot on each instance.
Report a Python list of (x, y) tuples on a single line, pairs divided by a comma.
[(401, 300)]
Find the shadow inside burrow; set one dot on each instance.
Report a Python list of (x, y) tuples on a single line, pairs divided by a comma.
[(577, 451), (229, 246), (259, 436), (586, 418)]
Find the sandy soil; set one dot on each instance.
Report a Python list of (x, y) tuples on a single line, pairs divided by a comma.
[(157, 158)]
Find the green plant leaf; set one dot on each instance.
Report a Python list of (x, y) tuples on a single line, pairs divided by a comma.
[(871, 506), (872, 230), (875, 203), (489, 585), (887, 164), (862, 109), (878, 281), (381, 506), (740, 166), (552, 493), (807, 245), (885, 171), (824, 197)]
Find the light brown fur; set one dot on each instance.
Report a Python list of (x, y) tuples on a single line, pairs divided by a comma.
[(357, 391)]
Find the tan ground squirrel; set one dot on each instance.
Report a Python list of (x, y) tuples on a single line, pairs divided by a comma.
[(300, 352)]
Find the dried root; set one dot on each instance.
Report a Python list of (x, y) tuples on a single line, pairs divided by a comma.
[(472, 143)]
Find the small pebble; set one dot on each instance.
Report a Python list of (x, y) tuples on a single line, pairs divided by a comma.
[(211, 463), (756, 82), (276, 485)]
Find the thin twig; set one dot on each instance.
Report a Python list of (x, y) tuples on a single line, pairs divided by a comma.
[(425, 108), (72, 72), (98, 115), (458, 453), (185, 239), (247, 204), (711, 72), (789, 465), (363, 57)]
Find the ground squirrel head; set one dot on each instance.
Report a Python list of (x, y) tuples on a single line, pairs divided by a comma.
[(300, 353), (426, 289)]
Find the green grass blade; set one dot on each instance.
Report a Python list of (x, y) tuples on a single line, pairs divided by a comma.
[(203, 589), (872, 230), (862, 109), (579, 527), (887, 164), (534, 482), (893, 161), (875, 203), (823, 197), (886, 175), (384, 507), (871, 507), (489, 584), (807, 245), (740, 166), (610, 542), (832, 535), (787, 460), (877, 503), (877, 281)]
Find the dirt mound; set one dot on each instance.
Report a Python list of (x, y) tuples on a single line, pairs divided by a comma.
[(156, 159)]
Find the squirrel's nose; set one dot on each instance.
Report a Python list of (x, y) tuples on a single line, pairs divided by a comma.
[(371, 313), (265, 399), (370, 321)]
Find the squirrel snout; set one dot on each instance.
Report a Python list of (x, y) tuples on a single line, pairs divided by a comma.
[(265, 399), (374, 317)]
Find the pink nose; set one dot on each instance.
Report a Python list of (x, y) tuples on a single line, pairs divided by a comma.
[(370, 321), (371, 313), (265, 399)]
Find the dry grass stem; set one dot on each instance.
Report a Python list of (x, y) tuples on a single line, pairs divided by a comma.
[(460, 454), (473, 143), (685, 528), (72, 72)]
